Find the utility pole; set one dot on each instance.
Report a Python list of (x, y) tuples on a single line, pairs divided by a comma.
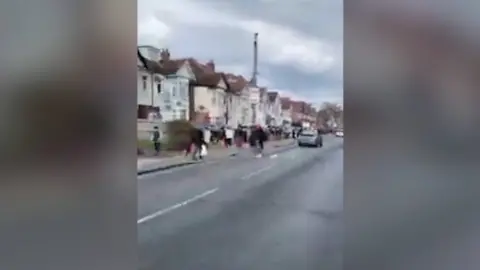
[(253, 81)]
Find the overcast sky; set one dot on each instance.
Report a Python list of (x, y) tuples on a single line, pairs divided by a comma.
[(300, 42)]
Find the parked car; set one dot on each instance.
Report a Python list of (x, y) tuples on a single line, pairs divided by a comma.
[(310, 138)]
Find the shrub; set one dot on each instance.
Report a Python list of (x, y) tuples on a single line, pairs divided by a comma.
[(178, 134)]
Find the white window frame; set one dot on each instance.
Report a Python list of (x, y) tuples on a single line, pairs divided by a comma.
[(144, 82)]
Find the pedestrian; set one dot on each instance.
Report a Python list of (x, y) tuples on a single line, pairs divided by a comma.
[(257, 140), (252, 140), (244, 135), (197, 139), (237, 135), (207, 134), (223, 136), (156, 140), (229, 134)]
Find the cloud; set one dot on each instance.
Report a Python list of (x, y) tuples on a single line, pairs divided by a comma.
[(286, 46), (279, 44), (315, 99), (295, 53), (152, 32)]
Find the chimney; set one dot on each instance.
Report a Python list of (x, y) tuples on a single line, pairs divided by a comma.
[(164, 55), (211, 65)]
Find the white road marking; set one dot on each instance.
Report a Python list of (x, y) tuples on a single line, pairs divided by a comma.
[(176, 206), (248, 176)]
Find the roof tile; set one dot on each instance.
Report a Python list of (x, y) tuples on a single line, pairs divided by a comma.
[(237, 83)]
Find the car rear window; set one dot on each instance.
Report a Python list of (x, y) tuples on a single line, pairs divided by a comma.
[(307, 134)]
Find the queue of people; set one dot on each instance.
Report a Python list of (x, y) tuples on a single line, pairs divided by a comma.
[(201, 137), (255, 137)]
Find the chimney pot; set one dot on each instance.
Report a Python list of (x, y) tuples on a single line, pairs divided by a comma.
[(165, 55), (211, 65)]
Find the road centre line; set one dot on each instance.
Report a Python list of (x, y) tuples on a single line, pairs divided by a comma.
[(250, 175), (176, 206)]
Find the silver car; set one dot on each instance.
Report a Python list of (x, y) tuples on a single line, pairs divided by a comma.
[(310, 138)]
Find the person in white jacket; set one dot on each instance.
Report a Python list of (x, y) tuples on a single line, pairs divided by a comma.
[(228, 136)]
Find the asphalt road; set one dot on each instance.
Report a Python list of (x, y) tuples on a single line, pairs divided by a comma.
[(279, 212)]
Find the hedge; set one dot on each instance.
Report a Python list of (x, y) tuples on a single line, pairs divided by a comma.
[(178, 134)]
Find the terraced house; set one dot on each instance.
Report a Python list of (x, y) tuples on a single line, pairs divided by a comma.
[(274, 109), (149, 85), (172, 97), (303, 112), (148, 88), (262, 106), (286, 113), (208, 94), (183, 88), (175, 94), (239, 101)]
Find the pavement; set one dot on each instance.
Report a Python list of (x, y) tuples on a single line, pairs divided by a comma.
[(279, 212), (153, 164)]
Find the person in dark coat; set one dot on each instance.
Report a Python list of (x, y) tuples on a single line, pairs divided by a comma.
[(156, 140), (237, 136), (198, 140), (258, 139)]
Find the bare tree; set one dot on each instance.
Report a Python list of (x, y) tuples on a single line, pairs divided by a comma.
[(330, 114)]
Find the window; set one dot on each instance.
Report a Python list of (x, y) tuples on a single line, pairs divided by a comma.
[(174, 91), (183, 114), (166, 96), (214, 97), (144, 82), (224, 99), (159, 88), (185, 92), (182, 89)]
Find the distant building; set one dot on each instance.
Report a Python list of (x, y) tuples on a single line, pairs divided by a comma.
[(286, 113), (173, 94), (274, 109), (149, 82)]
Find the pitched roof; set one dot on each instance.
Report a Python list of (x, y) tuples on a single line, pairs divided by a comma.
[(237, 83), (211, 80), (286, 103), (203, 74), (149, 65), (272, 96), (171, 66)]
